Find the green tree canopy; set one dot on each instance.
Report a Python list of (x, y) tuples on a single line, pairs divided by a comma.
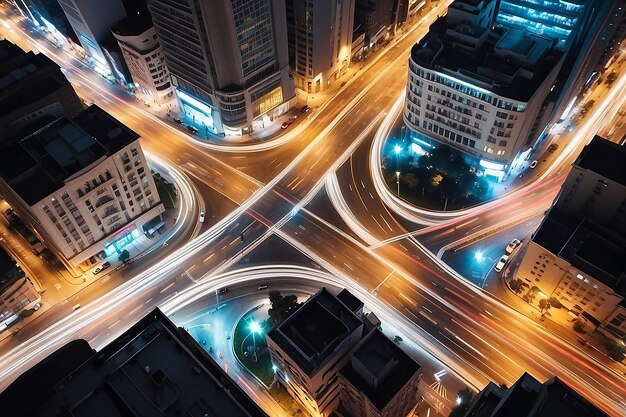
[(282, 307)]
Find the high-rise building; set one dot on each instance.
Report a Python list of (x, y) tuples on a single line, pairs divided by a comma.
[(92, 21), (319, 34), (374, 18), (17, 292), (33, 92), (480, 90), (330, 355), (143, 54), (530, 398), (83, 186), (152, 369), (47, 13), (578, 253), (227, 59)]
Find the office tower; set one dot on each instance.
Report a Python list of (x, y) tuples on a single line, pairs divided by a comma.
[(33, 91), (152, 369), (374, 18), (578, 253), (324, 356), (530, 398), (480, 90), (17, 292), (227, 59), (83, 186), (319, 34), (143, 54), (47, 13), (92, 20)]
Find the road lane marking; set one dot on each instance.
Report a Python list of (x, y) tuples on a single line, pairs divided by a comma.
[(208, 257), (166, 288)]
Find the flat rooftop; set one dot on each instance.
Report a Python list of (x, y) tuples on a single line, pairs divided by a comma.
[(134, 24), (605, 158), (311, 334), (383, 361), (154, 369), (9, 271), (39, 164), (516, 75), (586, 245)]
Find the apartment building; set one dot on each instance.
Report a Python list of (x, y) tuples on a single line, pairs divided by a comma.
[(33, 91), (152, 369), (319, 35), (82, 184), (480, 90), (17, 292), (374, 18), (529, 397), (331, 357), (144, 56), (227, 59), (578, 254)]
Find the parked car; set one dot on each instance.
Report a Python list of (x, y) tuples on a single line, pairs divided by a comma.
[(286, 124), (511, 246), (192, 129), (305, 109), (263, 287), (553, 147), (293, 118), (501, 263), (178, 120), (533, 164), (101, 268), (222, 290), (201, 217)]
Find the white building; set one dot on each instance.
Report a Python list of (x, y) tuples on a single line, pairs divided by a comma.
[(17, 292), (480, 90), (319, 35), (83, 185), (144, 55)]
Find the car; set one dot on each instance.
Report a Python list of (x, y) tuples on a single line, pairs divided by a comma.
[(305, 109), (285, 125), (263, 287), (501, 263), (76, 307), (178, 120), (192, 129), (201, 217), (101, 268), (222, 290), (553, 147), (293, 118), (533, 164), (511, 246)]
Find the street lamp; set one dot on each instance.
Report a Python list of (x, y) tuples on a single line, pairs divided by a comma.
[(479, 256), (255, 328), (398, 181)]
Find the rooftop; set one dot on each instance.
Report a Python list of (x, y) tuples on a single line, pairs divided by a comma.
[(152, 369), (39, 164), (508, 62), (379, 369), (315, 330), (605, 158), (586, 245), (9, 271), (134, 24)]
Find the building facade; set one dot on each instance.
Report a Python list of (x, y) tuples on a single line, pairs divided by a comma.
[(83, 185), (227, 59), (144, 56), (319, 35), (17, 292), (33, 91), (374, 18), (478, 90), (92, 21)]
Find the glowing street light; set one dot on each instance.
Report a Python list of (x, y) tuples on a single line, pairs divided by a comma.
[(255, 327), (479, 256), (397, 149), (398, 181)]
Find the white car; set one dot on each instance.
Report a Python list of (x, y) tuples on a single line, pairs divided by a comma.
[(501, 263), (533, 164), (511, 246), (201, 217)]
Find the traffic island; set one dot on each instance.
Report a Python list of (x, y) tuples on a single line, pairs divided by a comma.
[(250, 347)]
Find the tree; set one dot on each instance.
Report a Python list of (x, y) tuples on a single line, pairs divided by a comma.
[(411, 181), (610, 79), (579, 327), (544, 306), (615, 350), (530, 296), (517, 285), (464, 398), (282, 307), (124, 256)]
